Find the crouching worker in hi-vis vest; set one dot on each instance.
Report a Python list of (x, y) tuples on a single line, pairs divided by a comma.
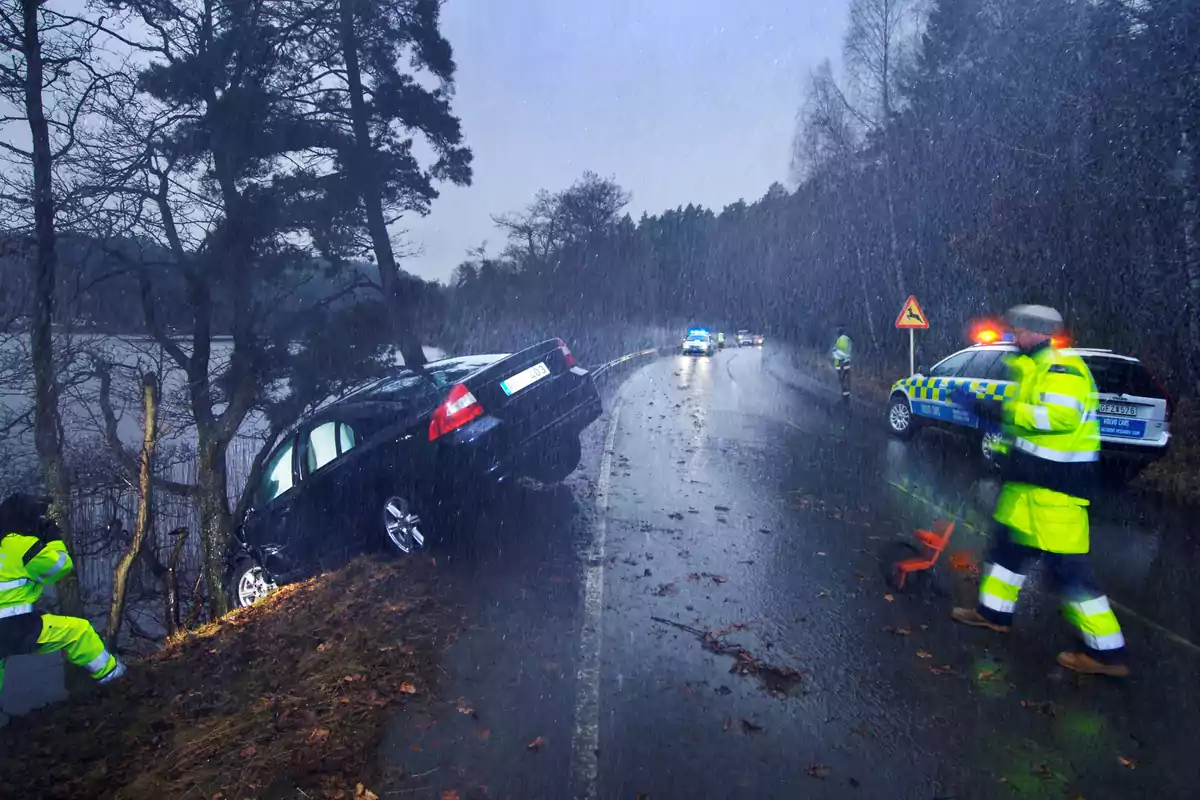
[(33, 556), (1052, 439)]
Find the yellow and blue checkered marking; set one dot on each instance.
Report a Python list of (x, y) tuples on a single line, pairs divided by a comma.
[(932, 397)]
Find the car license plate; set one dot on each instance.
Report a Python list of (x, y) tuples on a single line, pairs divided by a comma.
[(525, 377), (1118, 409)]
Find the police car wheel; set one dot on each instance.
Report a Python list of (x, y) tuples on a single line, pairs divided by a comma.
[(989, 444), (900, 417)]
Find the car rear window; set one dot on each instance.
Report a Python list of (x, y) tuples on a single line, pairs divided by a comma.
[(1117, 376), (406, 384)]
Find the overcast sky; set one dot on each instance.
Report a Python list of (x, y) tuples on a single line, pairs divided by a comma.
[(680, 100)]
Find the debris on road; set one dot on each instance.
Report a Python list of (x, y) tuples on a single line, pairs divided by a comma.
[(675, 515), (924, 654), (536, 744), (1127, 763), (897, 631), (721, 508), (778, 681), (664, 589), (818, 771)]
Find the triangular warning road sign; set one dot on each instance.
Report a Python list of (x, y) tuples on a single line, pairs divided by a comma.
[(911, 316)]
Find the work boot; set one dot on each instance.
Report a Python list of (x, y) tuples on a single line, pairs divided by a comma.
[(1082, 662), (972, 617)]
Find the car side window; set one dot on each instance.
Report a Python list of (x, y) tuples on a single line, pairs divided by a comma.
[(999, 370), (322, 446), (951, 366), (980, 365), (346, 438), (278, 476)]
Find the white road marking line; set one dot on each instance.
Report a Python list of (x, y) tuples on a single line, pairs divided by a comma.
[(585, 740)]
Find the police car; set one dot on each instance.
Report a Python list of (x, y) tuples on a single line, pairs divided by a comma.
[(699, 342), (1135, 411)]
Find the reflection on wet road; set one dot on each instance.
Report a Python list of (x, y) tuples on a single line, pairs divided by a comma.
[(747, 644)]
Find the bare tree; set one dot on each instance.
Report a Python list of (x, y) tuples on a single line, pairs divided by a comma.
[(46, 54), (875, 44)]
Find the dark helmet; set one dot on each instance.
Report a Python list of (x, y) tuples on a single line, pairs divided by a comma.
[(24, 513)]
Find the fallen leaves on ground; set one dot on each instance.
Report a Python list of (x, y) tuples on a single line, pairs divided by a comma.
[(988, 674), (944, 669), (719, 579), (1126, 762), (249, 700), (1044, 772), (924, 654), (407, 687), (818, 771), (779, 681), (363, 793), (889, 597), (450, 794), (897, 631), (536, 744)]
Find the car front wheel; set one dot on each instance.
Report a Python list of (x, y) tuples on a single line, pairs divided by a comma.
[(900, 417), (249, 584)]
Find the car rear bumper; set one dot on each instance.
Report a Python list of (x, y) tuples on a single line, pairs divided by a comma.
[(482, 454), (1134, 450)]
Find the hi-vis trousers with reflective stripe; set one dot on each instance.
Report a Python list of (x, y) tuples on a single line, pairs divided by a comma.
[(79, 641), (1083, 606)]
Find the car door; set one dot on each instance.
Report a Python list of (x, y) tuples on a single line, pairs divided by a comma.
[(326, 510), (271, 523), (980, 377), (930, 398)]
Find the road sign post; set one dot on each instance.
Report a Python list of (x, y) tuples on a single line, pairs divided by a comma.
[(911, 318)]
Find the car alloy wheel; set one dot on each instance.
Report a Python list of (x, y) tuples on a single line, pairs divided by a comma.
[(989, 445), (401, 525), (900, 416), (253, 586)]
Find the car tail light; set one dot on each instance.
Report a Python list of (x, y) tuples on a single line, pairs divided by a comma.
[(459, 408), (568, 359)]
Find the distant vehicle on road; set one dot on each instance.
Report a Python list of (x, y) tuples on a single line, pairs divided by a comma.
[(699, 342), (370, 469), (1135, 412), (750, 340), (742, 335)]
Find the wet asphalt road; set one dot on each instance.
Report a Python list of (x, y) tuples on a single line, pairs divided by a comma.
[(744, 501)]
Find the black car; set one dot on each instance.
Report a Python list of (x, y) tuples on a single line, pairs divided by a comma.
[(365, 470)]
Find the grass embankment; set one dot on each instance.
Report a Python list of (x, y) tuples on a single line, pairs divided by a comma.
[(289, 698), (1175, 478)]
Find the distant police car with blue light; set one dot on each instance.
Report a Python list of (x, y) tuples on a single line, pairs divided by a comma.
[(1134, 411), (699, 342)]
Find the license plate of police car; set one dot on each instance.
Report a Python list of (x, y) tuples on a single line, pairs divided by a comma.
[(1119, 409), (525, 377)]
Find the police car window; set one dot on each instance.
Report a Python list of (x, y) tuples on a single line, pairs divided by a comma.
[(981, 365), (998, 371), (1117, 376), (278, 475), (951, 366)]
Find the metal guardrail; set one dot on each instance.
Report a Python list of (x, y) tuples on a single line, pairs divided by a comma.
[(600, 369)]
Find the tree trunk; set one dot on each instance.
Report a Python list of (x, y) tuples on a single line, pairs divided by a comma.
[(145, 475), (861, 269), (213, 505), (372, 196), (47, 424)]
